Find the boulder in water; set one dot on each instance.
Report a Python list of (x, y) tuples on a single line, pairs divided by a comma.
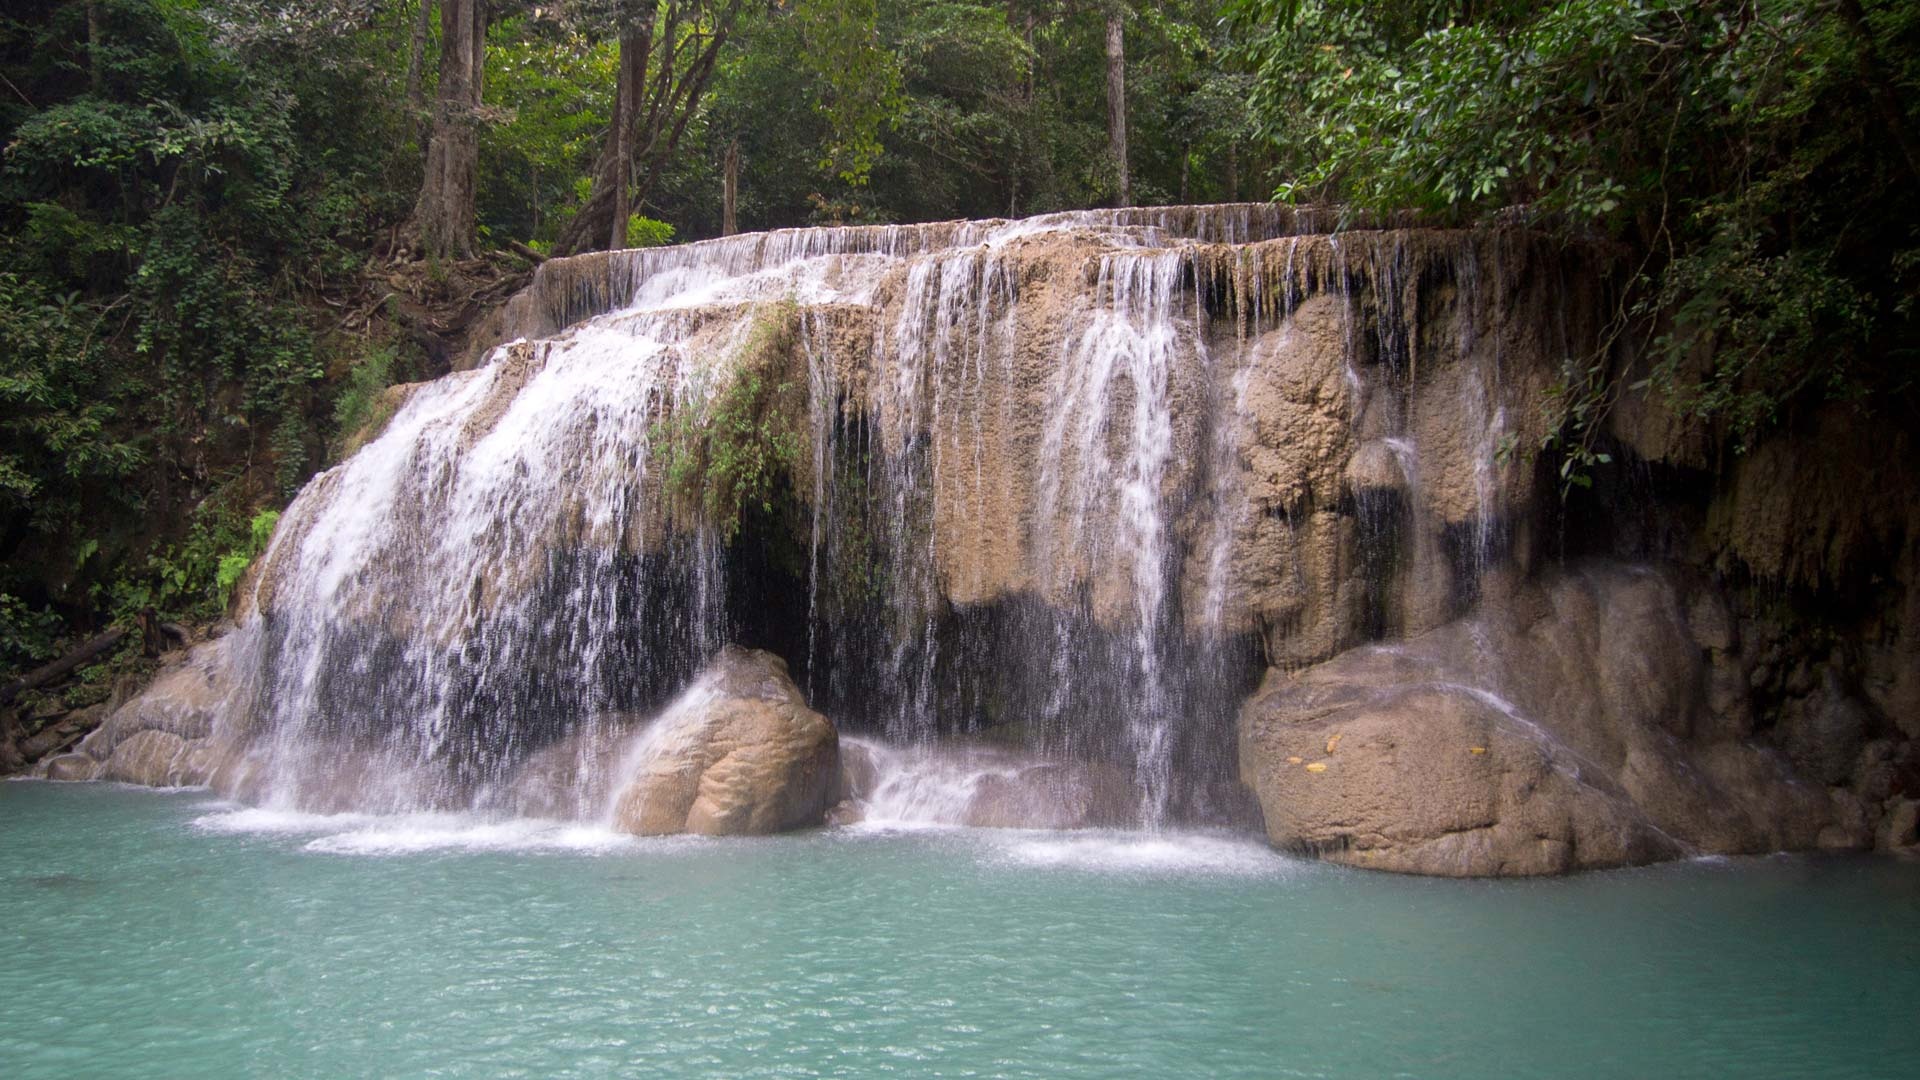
[(1430, 780), (739, 754), (1900, 829), (1566, 727)]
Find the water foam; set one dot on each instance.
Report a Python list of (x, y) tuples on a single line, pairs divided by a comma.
[(410, 834), (1135, 853)]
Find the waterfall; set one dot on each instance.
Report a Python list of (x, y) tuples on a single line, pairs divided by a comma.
[(1062, 484)]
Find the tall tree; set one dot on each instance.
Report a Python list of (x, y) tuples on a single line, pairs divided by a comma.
[(416, 66), (1117, 99), (445, 211), (668, 55), (730, 191), (635, 43)]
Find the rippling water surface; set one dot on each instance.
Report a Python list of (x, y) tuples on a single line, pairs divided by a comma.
[(166, 934)]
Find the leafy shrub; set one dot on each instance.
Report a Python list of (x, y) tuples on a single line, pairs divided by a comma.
[(361, 404), (643, 231), (233, 565), (27, 635)]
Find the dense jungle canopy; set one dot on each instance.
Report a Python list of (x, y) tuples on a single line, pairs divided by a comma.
[(226, 226)]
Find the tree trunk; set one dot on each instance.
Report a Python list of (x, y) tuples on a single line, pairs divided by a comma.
[(1117, 100), (633, 66), (670, 100), (57, 670), (1032, 62), (730, 191), (445, 211), (1020, 133), (1233, 172), (1876, 81), (416, 70), (93, 46)]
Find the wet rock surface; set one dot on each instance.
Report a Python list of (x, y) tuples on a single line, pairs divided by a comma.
[(739, 755), (1562, 727), (979, 784)]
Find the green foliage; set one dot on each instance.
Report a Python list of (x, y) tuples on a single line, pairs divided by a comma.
[(195, 577), (361, 403), (1000, 109), (359, 399), (233, 565), (723, 449), (549, 92), (643, 231), (27, 635), (58, 413), (1766, 320), (859, 79), (177, 195), (1752, 155)]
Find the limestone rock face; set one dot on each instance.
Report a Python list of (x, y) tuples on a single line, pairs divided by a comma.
[(72, 767), (1900, 830), (1562, 727), (1824, 733), (185, 700), (159, 759), (166, 736), (739, 754)]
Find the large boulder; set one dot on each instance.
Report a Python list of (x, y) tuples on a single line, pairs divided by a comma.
[(1426, 779), (738, 754), (1565, 726)]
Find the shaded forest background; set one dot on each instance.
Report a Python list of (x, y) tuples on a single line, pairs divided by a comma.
[(227, 225)]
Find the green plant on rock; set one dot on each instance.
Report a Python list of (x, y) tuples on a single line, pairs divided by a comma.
[(195, 578), (722, 450), (233, 565), (362, 405)]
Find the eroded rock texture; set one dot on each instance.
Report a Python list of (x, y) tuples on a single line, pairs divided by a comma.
[(1604, 744), (739, 755)]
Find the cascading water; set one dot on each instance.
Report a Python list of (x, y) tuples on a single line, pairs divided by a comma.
[(1016, 481)]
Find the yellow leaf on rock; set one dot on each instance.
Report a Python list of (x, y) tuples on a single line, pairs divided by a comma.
[(1476, 749), (1295, 760), (1318, 766), (1333, 742)]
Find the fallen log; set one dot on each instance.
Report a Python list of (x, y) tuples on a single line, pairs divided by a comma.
[(526, 252), (39, 677)]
